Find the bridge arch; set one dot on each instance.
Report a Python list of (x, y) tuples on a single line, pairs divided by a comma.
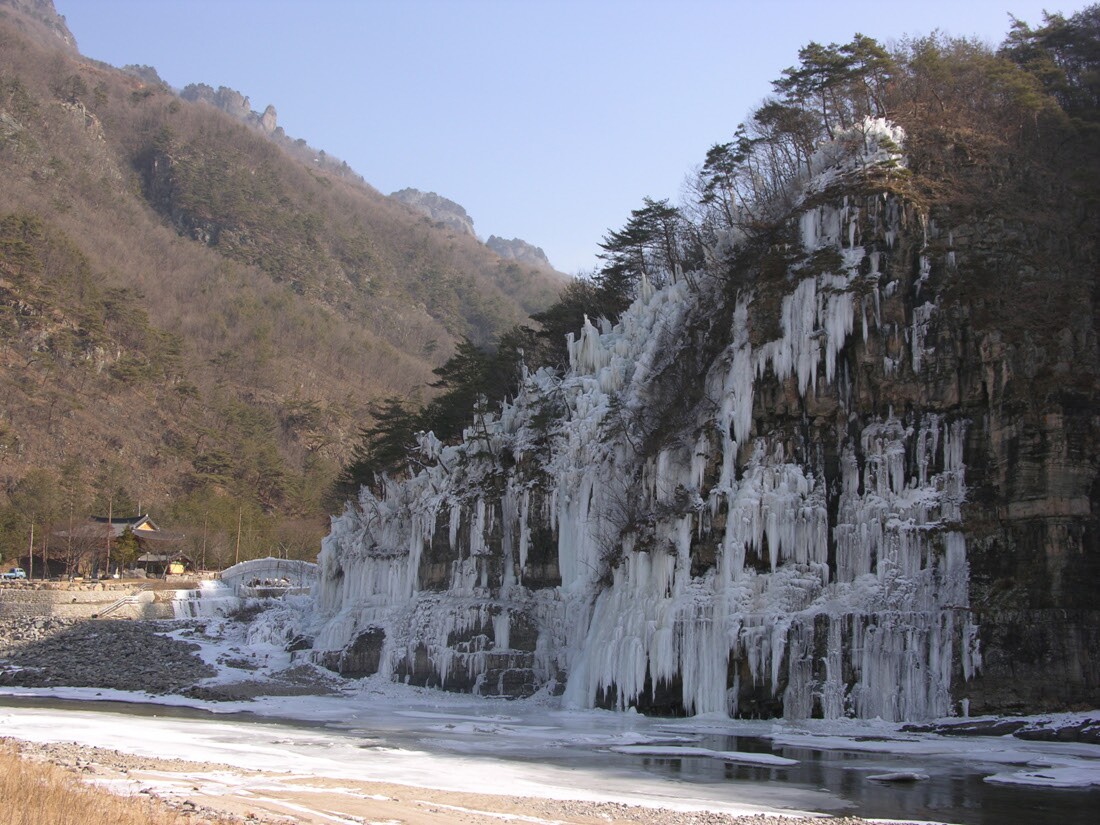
[(292, 573)]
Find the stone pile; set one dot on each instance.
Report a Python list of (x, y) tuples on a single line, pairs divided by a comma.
[(116, 655)]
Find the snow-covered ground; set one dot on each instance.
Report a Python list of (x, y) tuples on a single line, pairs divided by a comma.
[(380, 731)]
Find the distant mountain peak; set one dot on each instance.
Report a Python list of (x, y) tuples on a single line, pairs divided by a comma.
[(44, 12)]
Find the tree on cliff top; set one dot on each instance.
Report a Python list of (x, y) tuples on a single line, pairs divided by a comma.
[(1065, 56)]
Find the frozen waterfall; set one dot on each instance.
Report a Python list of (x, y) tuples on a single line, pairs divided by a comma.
[(734, 569)]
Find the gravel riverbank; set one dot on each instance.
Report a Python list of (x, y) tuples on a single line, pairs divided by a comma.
[(109, 654)]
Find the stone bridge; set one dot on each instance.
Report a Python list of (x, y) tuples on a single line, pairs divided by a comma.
[(269, 573)]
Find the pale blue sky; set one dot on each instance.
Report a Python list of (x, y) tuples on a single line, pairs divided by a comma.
[(549, 120)]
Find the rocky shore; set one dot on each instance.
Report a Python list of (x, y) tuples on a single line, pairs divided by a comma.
[(137, 656), (1084, 729), (50, 651), (111, 654)]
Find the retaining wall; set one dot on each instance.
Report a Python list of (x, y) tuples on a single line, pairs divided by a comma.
[(84, 601)]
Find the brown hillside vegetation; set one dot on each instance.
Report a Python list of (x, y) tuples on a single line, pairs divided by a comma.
[(194, 321)]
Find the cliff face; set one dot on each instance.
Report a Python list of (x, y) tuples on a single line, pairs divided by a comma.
[(518, 250), (830, 482), (440, 209), (232, 103), (44, 12)]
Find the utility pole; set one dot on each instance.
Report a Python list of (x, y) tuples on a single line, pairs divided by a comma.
[(110, 519), (30, 554), (69, 544), (204, 520), (237, 555)]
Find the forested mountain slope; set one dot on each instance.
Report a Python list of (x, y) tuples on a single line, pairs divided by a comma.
[(193, 317)]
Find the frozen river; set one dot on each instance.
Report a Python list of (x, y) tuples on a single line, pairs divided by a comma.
[(388, 733), (372, 730)]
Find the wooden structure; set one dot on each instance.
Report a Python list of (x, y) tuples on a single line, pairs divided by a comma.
[(163, 564), (98, 536)]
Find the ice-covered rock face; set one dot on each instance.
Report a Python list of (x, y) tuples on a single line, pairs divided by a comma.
[(709, 513)]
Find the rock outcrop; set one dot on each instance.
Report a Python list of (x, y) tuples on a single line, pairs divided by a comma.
[(45, 13), (447, 213), (269, 120), (441, 210), (232, 103), (518, 250), (831, 477), (146, 74)]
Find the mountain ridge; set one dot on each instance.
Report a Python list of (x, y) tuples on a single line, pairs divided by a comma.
[(198, 317)]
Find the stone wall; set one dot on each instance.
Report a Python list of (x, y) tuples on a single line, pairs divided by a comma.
[(81, 601)]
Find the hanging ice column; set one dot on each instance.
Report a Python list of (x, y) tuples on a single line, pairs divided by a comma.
[(889, 612), (889, 609), (423, 583)]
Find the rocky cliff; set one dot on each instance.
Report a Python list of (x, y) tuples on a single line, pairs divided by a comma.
[(518, 250), (453, 216), (836, 475), (44, 13), (440, 209), (232, 103)]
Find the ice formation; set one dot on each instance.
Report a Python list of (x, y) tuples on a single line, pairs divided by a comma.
[(732, 568), (252, 579), (209, 599)]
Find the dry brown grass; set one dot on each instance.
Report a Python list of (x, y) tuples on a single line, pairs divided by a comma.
[(37, 793)]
